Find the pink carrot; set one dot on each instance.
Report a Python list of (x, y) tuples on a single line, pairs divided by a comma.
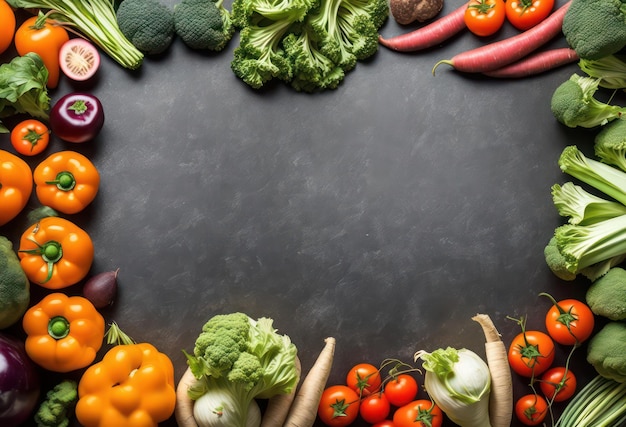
[(536, 64), (429, 35), (504, 52)]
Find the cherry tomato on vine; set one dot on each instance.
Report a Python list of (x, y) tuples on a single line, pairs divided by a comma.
[(374, 408), (30, 137), (485, 17), (569, 321), (531, 409), (339, 406), (558, 383), (419, 413), (401, 390), (531, 353), (525, 14), (364, 378)]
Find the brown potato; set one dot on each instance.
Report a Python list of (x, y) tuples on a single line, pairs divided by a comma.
[(407, 11)]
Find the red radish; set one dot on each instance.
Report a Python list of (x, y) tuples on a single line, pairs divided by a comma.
[(436, 32), (504, 52), (535, 64)]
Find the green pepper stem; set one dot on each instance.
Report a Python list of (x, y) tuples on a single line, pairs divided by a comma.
[(58, 327), (64, 181)]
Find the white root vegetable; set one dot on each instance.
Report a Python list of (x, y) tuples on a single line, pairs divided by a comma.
[(501, 398), (303, 411), (184, 404), (278, 406)]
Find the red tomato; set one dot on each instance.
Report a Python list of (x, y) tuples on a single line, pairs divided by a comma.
[(364, 378), (7, 29), (485, 17), (558, 384), (525, 14), (570, 322), (531, 409), (339, 406), (401, 390), (419, 413), (374, 408), (531, 353), (385, 423), (30, 137)]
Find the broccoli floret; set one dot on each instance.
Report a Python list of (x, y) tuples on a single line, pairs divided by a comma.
[(242, 359), (574, 105), (595, 28), (581, 207), (607, 295), (556, 261), (610, 144), (312, 70), (610, 69), (203, 24), (148, 25), (55, 410), (606, 351)]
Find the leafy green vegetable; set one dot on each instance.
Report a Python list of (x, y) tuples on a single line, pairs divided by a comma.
[(23, 88), (241, 359), (610, 69), (96, 20), (59, 403)]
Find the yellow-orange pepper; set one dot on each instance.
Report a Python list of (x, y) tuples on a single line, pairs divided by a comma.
[(63, 333), (132, 386), (55, 253), (16, 184), (66, 181)]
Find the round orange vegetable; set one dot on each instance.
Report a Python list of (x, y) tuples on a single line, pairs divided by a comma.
[(66, 181), (485, 17), (55, 253), (525, 14), (30, 137), (7, 29), (133, 385), (43, 36), (16, 185), (63, 333)]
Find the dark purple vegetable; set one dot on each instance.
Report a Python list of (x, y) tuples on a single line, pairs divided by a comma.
[(19, 382), (77, 117), (101, 289)]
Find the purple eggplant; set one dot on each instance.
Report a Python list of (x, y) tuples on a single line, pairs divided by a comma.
[(19, 382), (77, 117)]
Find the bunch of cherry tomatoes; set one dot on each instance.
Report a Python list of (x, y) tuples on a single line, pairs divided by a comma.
[(486, 17), (381, 402)]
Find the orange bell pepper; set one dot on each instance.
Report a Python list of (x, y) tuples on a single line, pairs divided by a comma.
[(55, 253), (132, 386), (16, 185), (66, 181), (63, 333)]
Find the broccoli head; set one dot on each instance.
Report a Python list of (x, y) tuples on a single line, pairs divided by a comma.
[(606, 351), (56, 408), (610, 144), (147, 24), (242, 359), (574, 105), (556, 261), (203, 24), (595, 28), (607, 295)]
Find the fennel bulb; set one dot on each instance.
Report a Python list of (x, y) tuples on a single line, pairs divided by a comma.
[(218, 409), (459, 382)]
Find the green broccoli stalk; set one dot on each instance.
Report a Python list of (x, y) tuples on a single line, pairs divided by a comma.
[(56, 409), (325, 22), (581, 207), (148, 24), (595, 28), (236, 360), (96, 20), (574, 105), (610, 144), (606, 351), (607, 296), (251, 12), (610, 69), (203, 24)]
